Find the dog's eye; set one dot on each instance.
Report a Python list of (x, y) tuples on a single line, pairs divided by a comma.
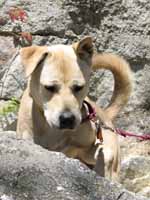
[(51, 88), (77, 88)]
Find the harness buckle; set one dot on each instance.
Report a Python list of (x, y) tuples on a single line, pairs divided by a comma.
[(99, 130)]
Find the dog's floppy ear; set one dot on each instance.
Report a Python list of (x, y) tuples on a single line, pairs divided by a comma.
[(84, 48), (31, 57)]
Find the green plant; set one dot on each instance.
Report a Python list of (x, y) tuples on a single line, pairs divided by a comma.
[(11, 106)]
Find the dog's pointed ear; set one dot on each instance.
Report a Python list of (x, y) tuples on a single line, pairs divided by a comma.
[(31, 57), (84, 48)]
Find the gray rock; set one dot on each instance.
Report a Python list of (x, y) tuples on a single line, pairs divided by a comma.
[(6, 51), (135, 174), (50, 13), (8, 122), (30, 172), (13, 82)]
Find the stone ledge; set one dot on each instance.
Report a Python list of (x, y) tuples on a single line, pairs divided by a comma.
[(27, 171)]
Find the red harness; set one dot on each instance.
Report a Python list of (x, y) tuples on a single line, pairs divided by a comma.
[(92, 117)]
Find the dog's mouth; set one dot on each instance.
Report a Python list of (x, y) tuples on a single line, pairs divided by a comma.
[(64, 127), (65, 121)]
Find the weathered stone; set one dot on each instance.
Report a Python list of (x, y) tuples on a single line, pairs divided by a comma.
[(30, 172), (6, 51), (135, 174), (13, 81), (8, 122)]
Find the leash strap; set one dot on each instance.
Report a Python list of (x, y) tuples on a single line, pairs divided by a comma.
[(99, 124), (129, 134)]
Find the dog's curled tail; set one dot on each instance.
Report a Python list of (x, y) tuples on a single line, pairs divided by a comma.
[(122, 78)]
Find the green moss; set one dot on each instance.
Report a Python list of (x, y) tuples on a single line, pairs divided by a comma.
[(11, 106)]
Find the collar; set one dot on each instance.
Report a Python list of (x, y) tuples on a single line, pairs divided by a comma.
[(91, 116), (91, 113)]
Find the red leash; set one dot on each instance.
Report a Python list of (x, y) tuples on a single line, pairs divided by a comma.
[(91, 115), (129, 134)]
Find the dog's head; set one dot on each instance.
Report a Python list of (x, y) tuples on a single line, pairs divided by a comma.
[(59, 78)]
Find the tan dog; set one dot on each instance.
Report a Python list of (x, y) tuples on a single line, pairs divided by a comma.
[(52, 108)]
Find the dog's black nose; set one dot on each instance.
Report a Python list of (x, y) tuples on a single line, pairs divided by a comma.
[(67, 120)]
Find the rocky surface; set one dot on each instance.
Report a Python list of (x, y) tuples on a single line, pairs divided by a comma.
[(13, 80), (135, 174), (6, 51), (118, 26), (30, 172)]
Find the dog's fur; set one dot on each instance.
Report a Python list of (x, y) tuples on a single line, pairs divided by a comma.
[(58, 83)]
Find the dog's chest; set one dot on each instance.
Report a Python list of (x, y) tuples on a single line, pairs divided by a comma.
[(57, 140)]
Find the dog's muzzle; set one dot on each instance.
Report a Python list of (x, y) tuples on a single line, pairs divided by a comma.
[(67, 120)]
